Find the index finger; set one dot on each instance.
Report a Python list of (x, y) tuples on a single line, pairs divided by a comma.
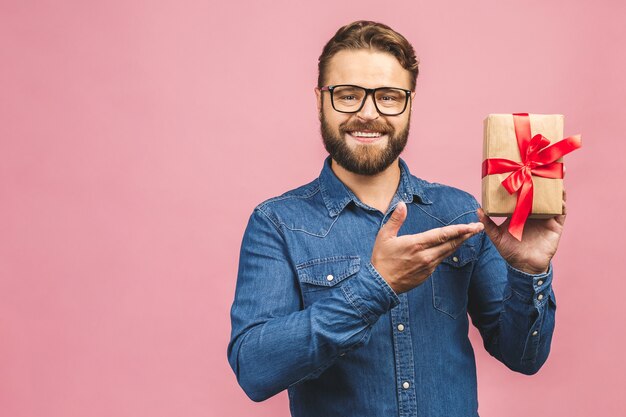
[(439, 235)]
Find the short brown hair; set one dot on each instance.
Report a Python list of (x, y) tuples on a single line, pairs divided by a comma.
[(364, 34)]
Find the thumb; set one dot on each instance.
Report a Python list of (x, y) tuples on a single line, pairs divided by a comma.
[(491, 228), (393, 225)]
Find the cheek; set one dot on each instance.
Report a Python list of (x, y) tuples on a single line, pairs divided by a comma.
[(334, 120), (400, 124)]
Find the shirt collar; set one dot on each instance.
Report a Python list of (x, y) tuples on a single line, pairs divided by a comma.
[(336, 195)]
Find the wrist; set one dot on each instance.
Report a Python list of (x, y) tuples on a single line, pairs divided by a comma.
[(530, 269)]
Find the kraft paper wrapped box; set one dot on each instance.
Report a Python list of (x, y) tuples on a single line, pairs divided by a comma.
[(500, 141)]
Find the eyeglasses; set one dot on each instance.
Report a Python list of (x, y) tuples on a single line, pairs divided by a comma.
[(389, 101)]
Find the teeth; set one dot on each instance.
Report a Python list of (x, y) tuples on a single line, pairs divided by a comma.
[(367, 135)]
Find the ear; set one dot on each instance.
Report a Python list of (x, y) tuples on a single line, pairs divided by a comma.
[(318, 96), (412, 99)]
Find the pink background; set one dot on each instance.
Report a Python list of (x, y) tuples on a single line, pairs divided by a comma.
[(137, 136)]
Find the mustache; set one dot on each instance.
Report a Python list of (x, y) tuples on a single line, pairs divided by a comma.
[(358, 126)]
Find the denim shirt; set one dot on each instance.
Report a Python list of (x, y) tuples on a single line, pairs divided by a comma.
[(312, 315)]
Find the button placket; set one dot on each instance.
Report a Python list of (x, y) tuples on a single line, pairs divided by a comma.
[(403, 356)]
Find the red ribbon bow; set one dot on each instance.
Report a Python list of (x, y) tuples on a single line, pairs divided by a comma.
[(537, 159)]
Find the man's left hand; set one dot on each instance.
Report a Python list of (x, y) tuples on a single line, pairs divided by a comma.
[(539, 243)]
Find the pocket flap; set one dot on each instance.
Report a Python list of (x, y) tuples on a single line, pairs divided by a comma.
[(463, 254), (328, 271)]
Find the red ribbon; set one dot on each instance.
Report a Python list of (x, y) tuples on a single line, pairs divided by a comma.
[(537, 159)]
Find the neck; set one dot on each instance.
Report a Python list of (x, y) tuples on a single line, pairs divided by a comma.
[(377, 190)]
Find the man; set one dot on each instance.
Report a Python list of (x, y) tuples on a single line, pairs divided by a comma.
[(353, 290)]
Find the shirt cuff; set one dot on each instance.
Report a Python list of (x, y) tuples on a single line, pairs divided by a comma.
[(370, 294), (531, 286)]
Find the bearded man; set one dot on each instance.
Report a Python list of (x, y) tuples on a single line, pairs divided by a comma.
[(354, 290)]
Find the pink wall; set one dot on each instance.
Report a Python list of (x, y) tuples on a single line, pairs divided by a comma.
[(137, 136)]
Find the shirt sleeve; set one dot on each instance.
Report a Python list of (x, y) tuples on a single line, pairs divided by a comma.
[(514, 311), (274, 342)]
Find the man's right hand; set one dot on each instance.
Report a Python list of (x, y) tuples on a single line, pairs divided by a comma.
[(407, 261)]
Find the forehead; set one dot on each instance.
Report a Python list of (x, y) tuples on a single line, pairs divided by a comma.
[(367, 68)]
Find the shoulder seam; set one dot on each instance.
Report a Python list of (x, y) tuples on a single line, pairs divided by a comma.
[(311, 193), (270, 218)]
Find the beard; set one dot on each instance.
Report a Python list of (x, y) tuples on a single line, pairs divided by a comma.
[(364, 159)]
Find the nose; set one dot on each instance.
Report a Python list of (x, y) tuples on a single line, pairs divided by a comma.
[(368, 111)]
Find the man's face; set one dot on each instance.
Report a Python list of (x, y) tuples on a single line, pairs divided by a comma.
[(348, 137)]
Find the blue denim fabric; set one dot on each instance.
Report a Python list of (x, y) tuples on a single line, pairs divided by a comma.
[(312, 315)]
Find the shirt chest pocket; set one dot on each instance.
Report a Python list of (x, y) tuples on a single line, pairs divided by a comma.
[(451, 280), (322, 277)]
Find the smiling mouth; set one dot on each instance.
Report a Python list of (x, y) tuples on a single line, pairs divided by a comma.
[(366, 136)]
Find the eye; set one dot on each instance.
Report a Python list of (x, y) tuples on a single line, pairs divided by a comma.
[(391, 97)]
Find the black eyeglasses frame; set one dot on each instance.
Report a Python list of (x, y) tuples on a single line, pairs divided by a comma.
[(368, 91)]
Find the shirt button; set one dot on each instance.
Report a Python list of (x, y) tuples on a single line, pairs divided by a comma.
[(405, 385), (330, 277), (401, 327), (455, 259), (540, 297), (535, 333), (540, 282)]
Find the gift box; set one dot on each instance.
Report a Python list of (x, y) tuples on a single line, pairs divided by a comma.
[(522, 166)]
